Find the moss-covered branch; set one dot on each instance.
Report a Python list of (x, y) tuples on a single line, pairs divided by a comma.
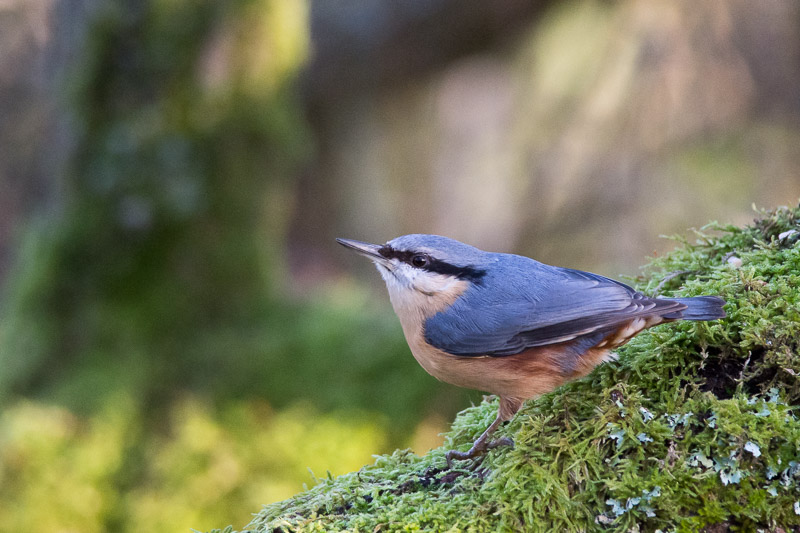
[(696, 425)]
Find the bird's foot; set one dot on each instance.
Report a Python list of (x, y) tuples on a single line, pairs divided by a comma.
[(504, 441), (478, 449)]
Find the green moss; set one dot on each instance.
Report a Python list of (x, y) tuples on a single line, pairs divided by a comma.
[(696, 425)]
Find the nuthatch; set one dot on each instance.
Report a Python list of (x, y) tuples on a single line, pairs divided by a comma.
[(510, 325)]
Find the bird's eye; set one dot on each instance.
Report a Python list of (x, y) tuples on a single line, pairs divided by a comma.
[(419, 260)]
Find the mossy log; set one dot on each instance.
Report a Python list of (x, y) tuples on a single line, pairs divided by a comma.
[(695, 428)]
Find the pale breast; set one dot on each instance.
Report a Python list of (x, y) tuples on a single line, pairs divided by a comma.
[(524, 375)]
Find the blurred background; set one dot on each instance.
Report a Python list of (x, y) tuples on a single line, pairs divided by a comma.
[(181, 339)]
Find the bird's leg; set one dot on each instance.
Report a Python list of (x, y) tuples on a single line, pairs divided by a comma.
[(508, 407), (481, 445)]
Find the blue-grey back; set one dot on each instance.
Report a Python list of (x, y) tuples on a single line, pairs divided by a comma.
[(520, 303)]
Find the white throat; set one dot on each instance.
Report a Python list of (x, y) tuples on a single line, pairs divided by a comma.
[(416, 294)]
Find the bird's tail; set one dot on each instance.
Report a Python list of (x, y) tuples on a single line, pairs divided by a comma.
[(699, 308)]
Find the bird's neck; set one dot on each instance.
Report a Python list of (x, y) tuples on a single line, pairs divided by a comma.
[(413, 306)]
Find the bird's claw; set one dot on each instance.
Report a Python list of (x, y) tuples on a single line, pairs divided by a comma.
[(477, 450), (505, 441)]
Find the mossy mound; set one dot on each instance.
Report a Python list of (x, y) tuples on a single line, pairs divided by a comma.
[(694, 428)]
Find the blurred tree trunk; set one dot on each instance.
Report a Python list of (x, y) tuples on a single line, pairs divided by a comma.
[(184, 124), (34, 139)]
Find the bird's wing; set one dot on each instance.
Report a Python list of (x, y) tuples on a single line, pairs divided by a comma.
[(533, 304)]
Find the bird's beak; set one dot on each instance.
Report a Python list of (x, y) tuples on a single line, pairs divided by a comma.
[(364, 248)]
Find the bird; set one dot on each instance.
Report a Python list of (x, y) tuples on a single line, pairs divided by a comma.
[(509, 325)]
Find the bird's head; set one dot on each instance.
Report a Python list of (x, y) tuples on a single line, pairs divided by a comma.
[(424, 271)]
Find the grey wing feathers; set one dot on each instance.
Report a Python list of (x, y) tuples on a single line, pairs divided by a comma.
[(571, 329), (537, 305)]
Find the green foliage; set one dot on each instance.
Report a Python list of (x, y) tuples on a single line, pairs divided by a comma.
[(314, 352), (114, 472), (696, 425), (182, 131)]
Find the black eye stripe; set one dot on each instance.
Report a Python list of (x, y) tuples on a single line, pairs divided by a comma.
[(468, 273), (390, 253), (402, 255), (434, 265)]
